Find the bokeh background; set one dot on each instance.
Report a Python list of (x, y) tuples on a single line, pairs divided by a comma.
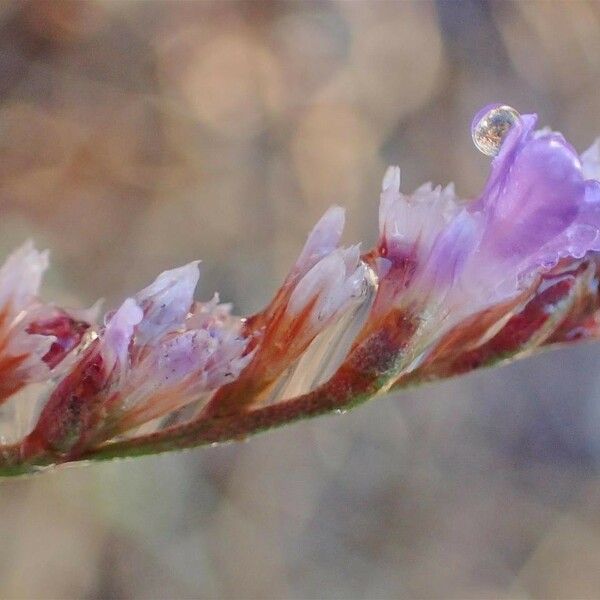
[(138, 135)]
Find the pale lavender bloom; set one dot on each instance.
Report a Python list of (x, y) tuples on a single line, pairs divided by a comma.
[(321, 285), (170, 351), (157, 353), (327, 277), (410, 225), (204, 353), (167, 301)]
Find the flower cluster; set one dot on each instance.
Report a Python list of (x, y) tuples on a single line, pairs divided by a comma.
[(158, 352), (451, 286)]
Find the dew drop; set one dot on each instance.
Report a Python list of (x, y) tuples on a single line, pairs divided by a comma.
[(490, 126)]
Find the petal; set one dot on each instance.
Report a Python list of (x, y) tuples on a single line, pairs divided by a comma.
[(118, 333), (213, 316), (534, 193), (409, 224), (450, 253), (166, 302), (590, 161), (328, 285), (323, 239), (184, 355), (21, 275), (205, 361)]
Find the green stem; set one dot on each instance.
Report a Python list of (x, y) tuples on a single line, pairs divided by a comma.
[(11, 464)]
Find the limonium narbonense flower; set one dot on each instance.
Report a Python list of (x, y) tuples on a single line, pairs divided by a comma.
[(457, 285), (440, 260), (323, 283), (158, 352)]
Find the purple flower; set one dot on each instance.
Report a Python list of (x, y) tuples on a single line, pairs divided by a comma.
[(157, 353), (536, 209), (537, 206)]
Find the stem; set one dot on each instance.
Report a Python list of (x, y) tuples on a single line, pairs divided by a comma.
[(332, 396), (207, 430), (11, 464)]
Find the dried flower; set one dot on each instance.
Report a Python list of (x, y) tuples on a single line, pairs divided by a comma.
[(450, 286)]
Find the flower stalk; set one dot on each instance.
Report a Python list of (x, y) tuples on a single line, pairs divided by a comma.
[(451, 286)]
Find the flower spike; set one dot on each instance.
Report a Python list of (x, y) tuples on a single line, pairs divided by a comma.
[(450, 286)]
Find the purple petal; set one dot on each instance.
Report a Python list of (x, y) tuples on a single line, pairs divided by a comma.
[(590, 161), (118, 333), (534, 193), (410, 224), (166, 302), (451, 250)]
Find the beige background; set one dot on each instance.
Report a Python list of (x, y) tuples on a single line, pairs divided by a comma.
[(136, 136)]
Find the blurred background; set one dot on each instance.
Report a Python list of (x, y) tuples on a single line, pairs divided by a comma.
[(138, 135)]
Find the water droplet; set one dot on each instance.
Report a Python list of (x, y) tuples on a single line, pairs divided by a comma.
[(491, 125)]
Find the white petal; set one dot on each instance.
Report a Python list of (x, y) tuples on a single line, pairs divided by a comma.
[(21, 275), (590, 161), (323, 239), (413, 222), (330, 284), (391, 180)]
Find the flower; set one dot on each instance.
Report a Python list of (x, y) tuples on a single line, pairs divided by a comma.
[(158, 352), (324, 282), (444, 259), (34, 337)]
